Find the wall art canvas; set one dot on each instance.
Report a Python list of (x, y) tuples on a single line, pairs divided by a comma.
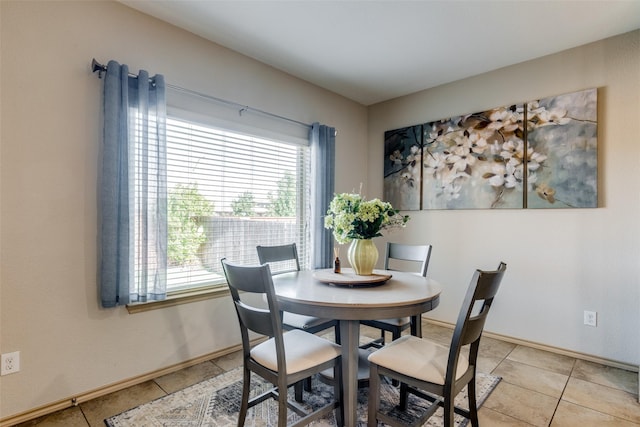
[(471, 161), (402, 167), (563, 131), (489, 160)]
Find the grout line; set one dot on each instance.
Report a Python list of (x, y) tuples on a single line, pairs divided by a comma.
[(84, 416), (506, 357), (166, 393), (564, 389)]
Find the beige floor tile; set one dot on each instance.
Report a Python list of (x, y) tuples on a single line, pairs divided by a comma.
[(543, 359), (603, 399), (439, 334), (489, 417), (487, 364), (330, 335), (570, 415), (368, 334), (532, 378), (71, 417), (605, 375), (230, 361), (522, 404), (188, 376), (492, 353), (496, 348), (112, 404)]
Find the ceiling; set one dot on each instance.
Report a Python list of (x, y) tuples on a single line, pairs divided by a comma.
[(374, 50)]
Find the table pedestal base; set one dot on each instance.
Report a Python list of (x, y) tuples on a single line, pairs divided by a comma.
[(326, 376)]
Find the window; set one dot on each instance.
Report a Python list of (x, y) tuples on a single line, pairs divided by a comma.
[(227, 193)]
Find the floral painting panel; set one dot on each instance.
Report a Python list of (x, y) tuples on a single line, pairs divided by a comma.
[(402, 164), (474, 161), (562, 141)]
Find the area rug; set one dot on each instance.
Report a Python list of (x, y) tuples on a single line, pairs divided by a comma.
[(216, 402)]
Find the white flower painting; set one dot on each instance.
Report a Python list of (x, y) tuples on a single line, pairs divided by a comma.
[(565, 129), (491, 160), (402, 167)]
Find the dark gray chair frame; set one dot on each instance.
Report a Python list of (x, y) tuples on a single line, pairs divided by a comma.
[(244, 280), (414, 253), (468, 331), (273, 254)]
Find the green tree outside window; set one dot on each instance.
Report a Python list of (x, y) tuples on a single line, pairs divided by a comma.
[(284, 203), (186, 207), (244, 205)]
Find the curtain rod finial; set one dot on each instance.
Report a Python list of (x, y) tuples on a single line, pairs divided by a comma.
[(96, 66)]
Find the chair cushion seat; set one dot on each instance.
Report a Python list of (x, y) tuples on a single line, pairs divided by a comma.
[(418, 358), (302, 349), (300, 321)]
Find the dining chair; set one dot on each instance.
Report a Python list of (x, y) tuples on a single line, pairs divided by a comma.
[(400, 255), (284, 259), (432, 371), (285, 359)]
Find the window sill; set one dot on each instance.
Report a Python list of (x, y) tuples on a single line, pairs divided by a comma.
[(179, 298)]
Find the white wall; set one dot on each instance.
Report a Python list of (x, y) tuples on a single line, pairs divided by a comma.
[(560, 262), (49, 155)]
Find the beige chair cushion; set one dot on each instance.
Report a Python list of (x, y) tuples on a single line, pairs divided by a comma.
[(300, 321), (418, 358), (302, 349)]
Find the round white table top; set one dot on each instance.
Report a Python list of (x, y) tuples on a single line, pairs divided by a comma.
[(404, 294)]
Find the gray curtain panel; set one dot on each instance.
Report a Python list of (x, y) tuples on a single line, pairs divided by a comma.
[(133, 198), (323, 159)]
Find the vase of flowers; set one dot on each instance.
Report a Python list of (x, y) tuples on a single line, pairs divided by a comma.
[(357, 221)]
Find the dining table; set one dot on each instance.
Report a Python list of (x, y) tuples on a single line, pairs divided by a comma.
[(350, 298)]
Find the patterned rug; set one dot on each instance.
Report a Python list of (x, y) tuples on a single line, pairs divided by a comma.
[(216, 402)]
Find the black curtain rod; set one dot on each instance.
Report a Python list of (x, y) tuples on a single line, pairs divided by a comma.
[(100, 68)]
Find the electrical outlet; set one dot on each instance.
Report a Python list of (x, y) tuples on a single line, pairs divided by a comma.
[(10, 363), (590, 318)]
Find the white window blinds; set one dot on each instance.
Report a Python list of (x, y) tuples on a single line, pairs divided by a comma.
[(227, 193)]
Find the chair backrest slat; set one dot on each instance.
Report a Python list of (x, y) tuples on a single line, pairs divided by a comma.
[(414, 253), (254, 280), (254, 319), (277, 255)]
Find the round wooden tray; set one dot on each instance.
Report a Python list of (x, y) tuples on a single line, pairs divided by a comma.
[(349, 278)]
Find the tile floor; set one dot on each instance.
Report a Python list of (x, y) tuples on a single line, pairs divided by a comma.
[(538, 388)]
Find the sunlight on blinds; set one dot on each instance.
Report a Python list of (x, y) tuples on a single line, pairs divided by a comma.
[(228, 193)]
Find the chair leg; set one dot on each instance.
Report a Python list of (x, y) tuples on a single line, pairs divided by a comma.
[(448, 411), (395, 334), (338, 395), (404, 396), (473, 407), (297, 389), (244, 406), (414, 325), (337, 333), (282, 407), (374, 395)]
